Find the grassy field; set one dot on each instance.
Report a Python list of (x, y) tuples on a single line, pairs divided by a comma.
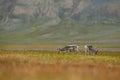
[(49, 65), (56, 45)]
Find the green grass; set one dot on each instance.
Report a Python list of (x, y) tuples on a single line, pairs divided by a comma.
[(107, 57)]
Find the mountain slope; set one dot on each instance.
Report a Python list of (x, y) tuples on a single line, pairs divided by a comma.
[(59, 20)]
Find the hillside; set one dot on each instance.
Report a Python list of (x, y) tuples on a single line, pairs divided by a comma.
[(38, 21)]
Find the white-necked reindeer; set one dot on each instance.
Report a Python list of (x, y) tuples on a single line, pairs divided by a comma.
[(69, 48), (90, 50)]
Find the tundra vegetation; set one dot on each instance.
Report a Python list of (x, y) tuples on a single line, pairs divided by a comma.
[(52, 24), (49, 65)]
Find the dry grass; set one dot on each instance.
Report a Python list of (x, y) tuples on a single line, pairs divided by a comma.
[(49, 65)]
